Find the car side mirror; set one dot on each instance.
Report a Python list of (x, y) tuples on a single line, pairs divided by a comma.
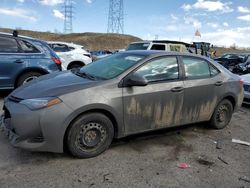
[(135, 80)]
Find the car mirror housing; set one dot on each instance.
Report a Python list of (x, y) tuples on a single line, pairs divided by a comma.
[(135, 80)]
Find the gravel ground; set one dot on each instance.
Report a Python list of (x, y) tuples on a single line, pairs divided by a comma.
[(148, 160)]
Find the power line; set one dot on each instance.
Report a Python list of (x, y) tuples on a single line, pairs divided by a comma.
[(116, 17), (68, 16)]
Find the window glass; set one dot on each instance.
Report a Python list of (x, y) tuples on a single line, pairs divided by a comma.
[(138, 46), (28, 47), (111, 66), (214, 71), (196, 68), (60, 48), (8, 45), (158, 47), (160, 69)]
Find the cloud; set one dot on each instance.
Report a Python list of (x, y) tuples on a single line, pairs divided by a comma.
[(89, 1), (213, 25), (209, 6), (243, 9), (225, 24), (17, 12), (51, 2), (245, 18), (190, 20), (173, 17), (58, 14), (20, 1)]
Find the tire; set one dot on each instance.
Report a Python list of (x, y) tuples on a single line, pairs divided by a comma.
[(222, 115), (90, 135), (75, 66), (26, 77)]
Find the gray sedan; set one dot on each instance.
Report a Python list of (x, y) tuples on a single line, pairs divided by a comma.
[(123, 94)]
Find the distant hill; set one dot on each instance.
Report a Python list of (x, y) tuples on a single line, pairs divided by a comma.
[(100, 41), (92, 41)]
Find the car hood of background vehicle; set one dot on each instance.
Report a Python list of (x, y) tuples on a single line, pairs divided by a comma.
[(54, 84)]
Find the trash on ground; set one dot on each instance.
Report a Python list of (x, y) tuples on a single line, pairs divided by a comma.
[(183, 165), (204, 161), (219, 144), (240, 142), (244, 179), (222, 160)]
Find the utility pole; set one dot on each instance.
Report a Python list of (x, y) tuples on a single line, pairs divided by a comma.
[(68, 16), (116, 17)]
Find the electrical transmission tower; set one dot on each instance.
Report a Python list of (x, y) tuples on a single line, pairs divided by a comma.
[(116, 17), (68, 16)]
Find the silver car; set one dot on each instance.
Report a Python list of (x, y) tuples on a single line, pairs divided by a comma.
[(123, 94)]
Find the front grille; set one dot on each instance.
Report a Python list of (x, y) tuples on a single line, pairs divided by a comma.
[(14, 99)]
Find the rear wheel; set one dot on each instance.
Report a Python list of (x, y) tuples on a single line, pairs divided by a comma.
[(222, 114), (90, 135), (27, 77), (75, 66)]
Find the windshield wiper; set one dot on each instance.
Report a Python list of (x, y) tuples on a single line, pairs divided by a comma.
[(85, 75)]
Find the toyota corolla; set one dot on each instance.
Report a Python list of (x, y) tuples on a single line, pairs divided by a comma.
[(123, 94)]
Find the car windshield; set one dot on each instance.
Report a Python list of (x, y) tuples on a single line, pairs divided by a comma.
[(138, 46), (111, 66)]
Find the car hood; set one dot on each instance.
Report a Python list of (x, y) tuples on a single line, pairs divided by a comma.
[(54, 84)]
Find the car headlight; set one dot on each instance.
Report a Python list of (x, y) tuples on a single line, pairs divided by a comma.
[(39, 103)]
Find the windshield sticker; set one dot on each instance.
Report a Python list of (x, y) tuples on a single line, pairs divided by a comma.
[(133, 58)]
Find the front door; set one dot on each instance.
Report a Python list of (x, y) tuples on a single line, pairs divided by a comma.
[(159, 104)]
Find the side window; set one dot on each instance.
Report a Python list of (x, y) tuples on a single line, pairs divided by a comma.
[(214, 71), (60, 48), (158, 47), (8, 45), (27, 47), (196, 68), (160, 69)]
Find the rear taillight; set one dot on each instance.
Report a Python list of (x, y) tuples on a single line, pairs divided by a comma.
[(241, 81), (56, 60)]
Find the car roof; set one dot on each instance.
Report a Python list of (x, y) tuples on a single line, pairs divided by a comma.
[(161, 42), (3, 34), (66, 43), (162, 53)]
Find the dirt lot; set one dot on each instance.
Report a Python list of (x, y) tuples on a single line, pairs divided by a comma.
[(148, 160)]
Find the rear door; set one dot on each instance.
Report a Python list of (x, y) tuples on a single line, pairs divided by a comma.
[(202, 80), (159, 104), (11, 61)]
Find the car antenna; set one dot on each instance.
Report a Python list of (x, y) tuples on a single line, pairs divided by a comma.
[(15, 33)]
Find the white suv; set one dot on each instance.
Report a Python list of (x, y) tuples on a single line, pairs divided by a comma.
[(71, 55)]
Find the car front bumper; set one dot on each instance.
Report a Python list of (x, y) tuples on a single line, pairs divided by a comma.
[(39, 130)]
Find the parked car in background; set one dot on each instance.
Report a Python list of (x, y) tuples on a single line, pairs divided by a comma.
[(72, 55), (100, 54), (163, 45), (23, 59), (123, 94), (231, 61), (246, 79)]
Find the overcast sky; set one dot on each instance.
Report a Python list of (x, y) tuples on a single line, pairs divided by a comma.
[(220, 22)]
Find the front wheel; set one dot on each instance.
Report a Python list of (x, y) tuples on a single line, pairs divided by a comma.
[(222, 114), (90, 135)]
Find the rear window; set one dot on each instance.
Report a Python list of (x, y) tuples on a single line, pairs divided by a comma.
[(158, 47), (138, 46), (8, 45)]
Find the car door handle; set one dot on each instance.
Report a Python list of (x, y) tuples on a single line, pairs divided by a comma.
[(19, 61), (177, 89), (219, 83)]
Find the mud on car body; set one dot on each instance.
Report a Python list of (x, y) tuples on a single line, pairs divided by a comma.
[(123, 94)]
